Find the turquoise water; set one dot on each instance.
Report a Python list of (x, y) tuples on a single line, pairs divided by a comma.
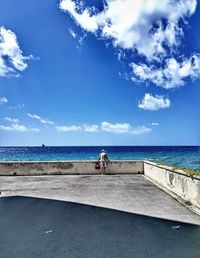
[(183, 156)]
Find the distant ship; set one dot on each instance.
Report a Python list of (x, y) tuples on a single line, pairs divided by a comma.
[(43, 146)]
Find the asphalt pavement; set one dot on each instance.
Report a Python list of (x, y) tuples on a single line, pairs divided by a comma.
[(41, 228)]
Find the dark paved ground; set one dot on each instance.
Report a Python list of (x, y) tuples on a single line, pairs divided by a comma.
[(35, 227)]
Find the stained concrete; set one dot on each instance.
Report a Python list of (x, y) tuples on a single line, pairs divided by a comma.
[(176, 181), (73, 167), (130, 193)]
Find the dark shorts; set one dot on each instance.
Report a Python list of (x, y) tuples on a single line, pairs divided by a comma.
[(103, 164)]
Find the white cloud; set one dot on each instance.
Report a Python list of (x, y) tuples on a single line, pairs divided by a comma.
[(152, 103), (71, 128), (155, 124), (170, 76), (42, 120), (18, 128), (3, 100), (137, 25), (73, 34), (91, 128), (12, 120), (12, 60), (149, 29), (33, 116), (85, 19), (121, 128)]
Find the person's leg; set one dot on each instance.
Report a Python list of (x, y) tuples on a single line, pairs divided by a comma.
[(105, 167), (101, 164)]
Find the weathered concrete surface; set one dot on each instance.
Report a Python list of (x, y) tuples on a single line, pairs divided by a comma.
[(177, 181), (69, 167), (41, 228), (131, 193)]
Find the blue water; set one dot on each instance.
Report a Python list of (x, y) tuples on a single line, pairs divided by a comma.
[(184, 156)]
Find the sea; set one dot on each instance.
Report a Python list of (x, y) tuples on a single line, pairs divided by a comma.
[(181, 156)]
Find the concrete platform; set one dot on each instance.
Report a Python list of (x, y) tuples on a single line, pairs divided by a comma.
[(129, 193)]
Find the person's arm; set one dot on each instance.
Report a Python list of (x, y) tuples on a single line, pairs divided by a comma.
[(107, 158)]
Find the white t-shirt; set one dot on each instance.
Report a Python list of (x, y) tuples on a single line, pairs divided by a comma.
[(103, 156)]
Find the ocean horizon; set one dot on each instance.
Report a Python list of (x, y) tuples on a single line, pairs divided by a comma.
[(182, 156)]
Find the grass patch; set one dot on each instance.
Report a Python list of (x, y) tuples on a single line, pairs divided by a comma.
[(162, 164), (188, 171)]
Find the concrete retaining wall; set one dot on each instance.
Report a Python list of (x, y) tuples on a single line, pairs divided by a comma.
[(68, 167), (178, 182)]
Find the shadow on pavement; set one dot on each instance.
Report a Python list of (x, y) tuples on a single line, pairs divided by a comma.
[(34, 227)]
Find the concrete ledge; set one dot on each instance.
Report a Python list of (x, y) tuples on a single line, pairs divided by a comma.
[(69, 168), (177, 182)]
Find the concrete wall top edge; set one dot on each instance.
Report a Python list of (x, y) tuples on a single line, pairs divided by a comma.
[(168, 168), (68, 161)]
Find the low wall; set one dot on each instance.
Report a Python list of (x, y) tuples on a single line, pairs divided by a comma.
[(68, 167), (177, 181)]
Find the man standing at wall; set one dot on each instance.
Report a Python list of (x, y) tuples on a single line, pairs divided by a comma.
[(103, 159)]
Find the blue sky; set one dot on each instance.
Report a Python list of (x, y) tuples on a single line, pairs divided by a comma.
[(72, 73)]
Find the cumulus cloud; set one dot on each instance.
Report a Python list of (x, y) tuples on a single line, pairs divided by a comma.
[(138, 25), (71, 128), (172, 75), (42, 120), (91, 128), (3, 100), (119, 128), (152, 103), (18, 128), (74, 128), (122, 128), (12, 120), (12, 60), (155, 124), (85, 19), (150, 30)]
